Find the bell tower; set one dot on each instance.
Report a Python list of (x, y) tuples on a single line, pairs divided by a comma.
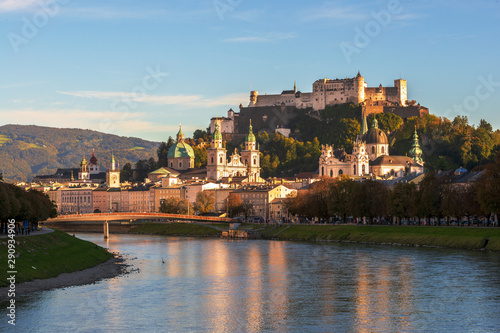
[(216, 156), (251, 156), (113, 175)]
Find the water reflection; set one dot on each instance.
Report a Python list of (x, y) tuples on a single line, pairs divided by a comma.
[(229, 286)]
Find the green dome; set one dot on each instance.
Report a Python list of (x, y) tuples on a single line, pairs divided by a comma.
[(180, 149), (216, 135), (250, 137)]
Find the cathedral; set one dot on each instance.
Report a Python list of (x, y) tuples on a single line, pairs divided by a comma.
[(246, 164), (180, 156), (370, 156)]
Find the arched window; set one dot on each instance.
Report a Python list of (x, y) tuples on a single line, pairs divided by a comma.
[(180, 164), (341, 172), (255, 161), (355, 169), (172, 164), (373, 149), (322, 171), (331, 173), (392, 172), (363, 169), (212, 160), (383, 149), (220, 160)]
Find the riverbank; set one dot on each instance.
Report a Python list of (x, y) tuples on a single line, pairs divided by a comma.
[(447, 237), (56, 260)]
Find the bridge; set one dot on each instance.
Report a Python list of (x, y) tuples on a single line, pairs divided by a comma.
[(132, 217), (123, 222)]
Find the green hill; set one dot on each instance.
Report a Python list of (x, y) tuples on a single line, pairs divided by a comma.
[(26, 151)]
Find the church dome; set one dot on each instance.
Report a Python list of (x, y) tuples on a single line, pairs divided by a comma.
[(180, 149), (375, 135)]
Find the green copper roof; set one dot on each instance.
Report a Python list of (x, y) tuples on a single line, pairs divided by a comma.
[(375, 123), (250, 137), (180, 135), (216, 135), (415, 151), (180, 149)]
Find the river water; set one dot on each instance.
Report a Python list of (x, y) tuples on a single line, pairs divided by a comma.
[(196, 284)]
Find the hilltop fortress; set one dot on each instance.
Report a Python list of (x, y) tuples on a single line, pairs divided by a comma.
[(274, 112), (330, 92)]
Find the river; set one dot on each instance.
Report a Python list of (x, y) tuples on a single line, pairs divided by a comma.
[(197, 284)]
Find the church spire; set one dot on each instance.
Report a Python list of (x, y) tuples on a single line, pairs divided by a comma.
[(250, 137), (415, 151), (364, 125), (180, 135)]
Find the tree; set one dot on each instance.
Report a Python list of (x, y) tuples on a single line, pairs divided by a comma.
[(341, 193), (205, 202), (126, 173), (429, 197), (402, 201), (246, 209), (487, 188), (175, 205), (200, 134), (162, 154), (233, 205), (388, 122)]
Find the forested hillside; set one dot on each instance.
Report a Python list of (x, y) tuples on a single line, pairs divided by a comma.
[(26, 151)]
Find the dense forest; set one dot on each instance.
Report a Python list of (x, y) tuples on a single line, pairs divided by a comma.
[(26, 151), (435, 197)]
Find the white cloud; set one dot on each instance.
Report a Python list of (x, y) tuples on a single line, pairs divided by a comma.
[(337, 13), (273, 37), (180, 100), (13, 5)]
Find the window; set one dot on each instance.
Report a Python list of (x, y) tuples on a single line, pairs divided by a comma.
[(383, 150), (220, 160), (331, 173), (373, 150), (341, 172), (363, 169), (322, 171), (354, 169), (212, 160)]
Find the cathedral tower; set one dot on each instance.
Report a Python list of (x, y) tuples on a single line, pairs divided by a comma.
[(251, 156), (216, 156), (84, 170)]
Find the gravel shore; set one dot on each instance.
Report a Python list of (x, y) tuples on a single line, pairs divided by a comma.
[(109, 269)]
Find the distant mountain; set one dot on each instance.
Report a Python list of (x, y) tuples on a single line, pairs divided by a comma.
[(26, 151)]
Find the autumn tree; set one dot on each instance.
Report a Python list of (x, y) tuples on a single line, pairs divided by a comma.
[(233, 205), (176, 205), (205, 202)]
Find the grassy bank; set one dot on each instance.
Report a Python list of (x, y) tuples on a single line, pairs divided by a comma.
[(48, 255), (175, 229), (449, 237)]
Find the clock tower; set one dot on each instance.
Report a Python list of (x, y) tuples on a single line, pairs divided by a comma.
[(113, 175)]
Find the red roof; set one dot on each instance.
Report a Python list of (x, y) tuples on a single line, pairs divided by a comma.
[(93, 159)]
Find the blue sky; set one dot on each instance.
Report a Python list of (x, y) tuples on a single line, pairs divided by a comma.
[(139, 68)]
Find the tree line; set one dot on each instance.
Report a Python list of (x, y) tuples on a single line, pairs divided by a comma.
[(21, 205), (434, 198)]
